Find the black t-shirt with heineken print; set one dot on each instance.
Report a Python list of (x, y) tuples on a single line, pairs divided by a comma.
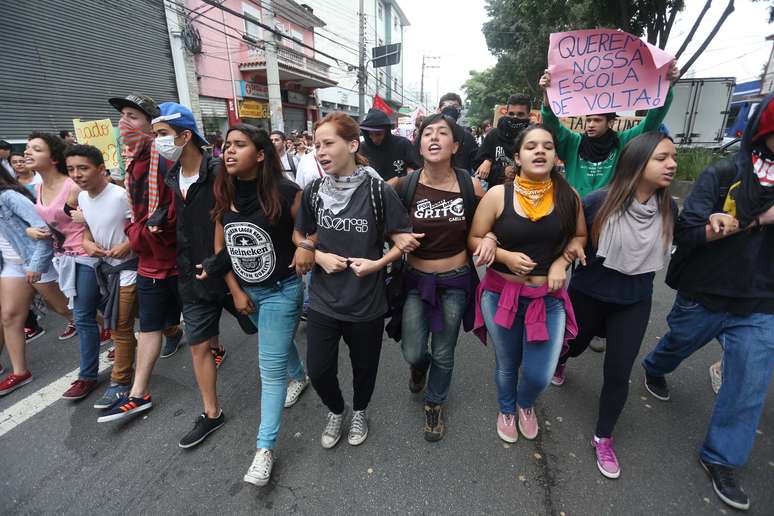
[(261, 253)]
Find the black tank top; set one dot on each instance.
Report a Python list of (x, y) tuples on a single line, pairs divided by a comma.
[(540, 240)]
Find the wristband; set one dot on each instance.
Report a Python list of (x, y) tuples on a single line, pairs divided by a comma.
[(304, 244), (492, 237)]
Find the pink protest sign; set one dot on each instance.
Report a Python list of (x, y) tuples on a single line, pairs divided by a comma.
[(603, 70)]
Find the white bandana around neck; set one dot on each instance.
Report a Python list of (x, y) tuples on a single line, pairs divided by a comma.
[(336, 191)]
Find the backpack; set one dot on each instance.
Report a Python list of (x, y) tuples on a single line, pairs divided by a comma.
[(377, 201), (396, 286)]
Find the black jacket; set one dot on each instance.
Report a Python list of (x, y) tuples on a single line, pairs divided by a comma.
[(499, 150), (196, 232), (733, 274), (394, 156)]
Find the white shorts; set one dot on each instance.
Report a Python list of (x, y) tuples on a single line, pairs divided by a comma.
[(16, 270)]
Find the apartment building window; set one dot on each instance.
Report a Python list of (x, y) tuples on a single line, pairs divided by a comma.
[(395, 85), (380, 10), (252, 28), (395, 22)]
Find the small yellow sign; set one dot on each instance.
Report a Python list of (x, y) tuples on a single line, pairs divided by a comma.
[(253, 109), (100, 134)]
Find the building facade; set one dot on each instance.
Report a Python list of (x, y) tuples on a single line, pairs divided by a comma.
[(385, 24), (230, 63)]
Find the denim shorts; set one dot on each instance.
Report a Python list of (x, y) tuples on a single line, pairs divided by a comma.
[(159, 303)]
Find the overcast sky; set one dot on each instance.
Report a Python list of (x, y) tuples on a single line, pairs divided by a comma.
[(451, 29)]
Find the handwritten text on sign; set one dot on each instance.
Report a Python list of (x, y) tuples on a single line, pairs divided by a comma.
[(100, 134), (602, 70)]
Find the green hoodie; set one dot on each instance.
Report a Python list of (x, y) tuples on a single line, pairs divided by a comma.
[(583, 175)]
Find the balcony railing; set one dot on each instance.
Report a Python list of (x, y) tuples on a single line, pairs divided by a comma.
[(298, 60)]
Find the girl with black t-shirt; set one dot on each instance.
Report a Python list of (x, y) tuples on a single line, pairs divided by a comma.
[(439, 280), (348, 213), (255, 206)]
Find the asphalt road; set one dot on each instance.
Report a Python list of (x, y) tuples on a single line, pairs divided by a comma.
[(61, 461)]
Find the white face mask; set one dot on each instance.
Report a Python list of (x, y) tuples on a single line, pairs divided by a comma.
[(167, 148)]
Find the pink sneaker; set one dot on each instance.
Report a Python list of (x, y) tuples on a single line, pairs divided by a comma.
[(528, 425), (506, 427), (559, 375), (607, 462)]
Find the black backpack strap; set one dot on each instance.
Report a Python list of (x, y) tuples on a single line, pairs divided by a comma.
[(292, 163), (377, 203), (316, 196), (410, 188), (468, 194)]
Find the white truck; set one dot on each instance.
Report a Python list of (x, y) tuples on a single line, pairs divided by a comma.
[(697, 117)]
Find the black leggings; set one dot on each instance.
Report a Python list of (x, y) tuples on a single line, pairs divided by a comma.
[(364, 340), (624, 326)]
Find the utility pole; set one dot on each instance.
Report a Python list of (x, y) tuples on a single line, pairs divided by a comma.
[(424, 66), (272, 71), (362, 76)]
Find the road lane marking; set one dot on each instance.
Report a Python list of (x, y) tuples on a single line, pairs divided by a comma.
[(43, 398)]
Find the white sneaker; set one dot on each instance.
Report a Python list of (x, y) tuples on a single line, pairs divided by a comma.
[(260, 470), (332, 433), (295, 389), (716, 375), (358, 428)]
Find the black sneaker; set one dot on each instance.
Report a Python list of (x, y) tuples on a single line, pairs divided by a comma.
[(725, 485), (657, 387), (171, 344), (203, 427), (435, 428), (417, 380)]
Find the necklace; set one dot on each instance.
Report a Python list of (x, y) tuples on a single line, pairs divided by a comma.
[(449, 183)]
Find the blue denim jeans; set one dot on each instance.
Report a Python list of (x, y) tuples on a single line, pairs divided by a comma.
[(277, 309), (414, 335), (85, 305), (537, 360), (748, 360)]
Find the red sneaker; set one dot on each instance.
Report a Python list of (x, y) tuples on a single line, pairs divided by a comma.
[(68, 332), (105, 336), (13, 381), (79, 389), (31, 334), (111, 355)]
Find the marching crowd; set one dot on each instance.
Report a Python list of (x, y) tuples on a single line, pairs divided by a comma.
[(354, 227)]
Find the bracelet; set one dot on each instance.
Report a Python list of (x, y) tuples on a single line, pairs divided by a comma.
[(491, 237), (304, 244)]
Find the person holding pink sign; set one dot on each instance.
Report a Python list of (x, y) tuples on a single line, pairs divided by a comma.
[(590, 158)]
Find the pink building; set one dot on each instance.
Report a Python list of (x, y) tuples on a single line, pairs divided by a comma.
[(231, 66)]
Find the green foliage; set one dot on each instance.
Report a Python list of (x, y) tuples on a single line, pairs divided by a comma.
[(692, 161)]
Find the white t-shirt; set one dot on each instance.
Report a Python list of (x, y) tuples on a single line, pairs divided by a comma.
[(186, 182), (308, 170), (286, 168), (106, 215)]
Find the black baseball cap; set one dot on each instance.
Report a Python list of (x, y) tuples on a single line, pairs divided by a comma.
[(142, 102)]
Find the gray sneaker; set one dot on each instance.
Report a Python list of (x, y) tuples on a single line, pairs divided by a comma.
[(333, 429), (260, 470), (295, 389), (358, 428), (113, 393), (171, 344)]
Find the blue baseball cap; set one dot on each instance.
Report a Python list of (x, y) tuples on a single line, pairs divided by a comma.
[(179, 116)]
